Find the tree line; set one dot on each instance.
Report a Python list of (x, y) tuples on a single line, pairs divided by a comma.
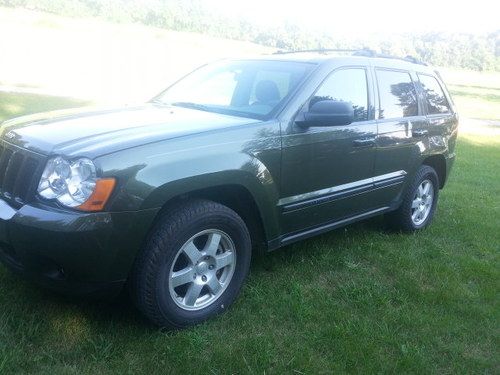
[(469, 51)]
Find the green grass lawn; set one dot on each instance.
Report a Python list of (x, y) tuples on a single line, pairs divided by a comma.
[(477, 101), (359, 299), (15, 104)]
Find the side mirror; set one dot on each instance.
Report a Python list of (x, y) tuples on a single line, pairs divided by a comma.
[(327, 113)]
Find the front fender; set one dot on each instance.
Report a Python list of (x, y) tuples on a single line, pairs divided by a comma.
[(261, 187), (151, 175)]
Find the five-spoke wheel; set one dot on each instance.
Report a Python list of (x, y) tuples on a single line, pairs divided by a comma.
[(202, 269), (422, 202), (193, 264), (419, 201)]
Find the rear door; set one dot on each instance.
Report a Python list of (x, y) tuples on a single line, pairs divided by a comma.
[(440, 115), (402, 132)]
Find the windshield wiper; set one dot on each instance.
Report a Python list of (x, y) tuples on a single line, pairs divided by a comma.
[(157, 101), (191, 105), (201, 107)]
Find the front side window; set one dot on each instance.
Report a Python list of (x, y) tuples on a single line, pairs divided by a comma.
[(398, 97), (251, 89), (434, 95), (347, 85)]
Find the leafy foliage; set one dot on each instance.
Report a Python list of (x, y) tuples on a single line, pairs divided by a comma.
[(470, 51)]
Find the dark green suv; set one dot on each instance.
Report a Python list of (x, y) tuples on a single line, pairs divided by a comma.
[(173, 195)]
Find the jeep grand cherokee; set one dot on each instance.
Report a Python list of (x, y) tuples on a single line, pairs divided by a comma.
[(173, 195)]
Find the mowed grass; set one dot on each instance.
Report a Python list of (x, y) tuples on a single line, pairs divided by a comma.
[(359, 299), (476, 94), (109, 62), (477, 101), (15, 104)]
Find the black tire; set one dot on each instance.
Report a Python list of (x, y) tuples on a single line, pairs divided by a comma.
[(401, 219), (150, 275)]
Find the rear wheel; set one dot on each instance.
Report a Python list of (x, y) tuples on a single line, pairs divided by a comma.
[(193, 265), (419, 202)]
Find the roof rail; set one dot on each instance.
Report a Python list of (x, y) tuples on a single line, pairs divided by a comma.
[(357, 52), (319, 50), (372, 53)]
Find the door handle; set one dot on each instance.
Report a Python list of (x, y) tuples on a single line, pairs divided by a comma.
[(364, 142), (420, 132)]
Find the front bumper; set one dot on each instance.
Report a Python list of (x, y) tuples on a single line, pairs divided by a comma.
[(78, 253)]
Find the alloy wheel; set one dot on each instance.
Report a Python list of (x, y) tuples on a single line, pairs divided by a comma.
[(202, 270), (422, 202)]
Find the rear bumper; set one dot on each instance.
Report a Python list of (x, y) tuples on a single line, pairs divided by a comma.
[(450, 160), (72, 252)]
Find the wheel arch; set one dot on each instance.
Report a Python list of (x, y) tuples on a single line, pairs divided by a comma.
[(258, 215), (438, 163)]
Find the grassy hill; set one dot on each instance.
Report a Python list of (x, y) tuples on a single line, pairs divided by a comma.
[(101, 61), (112, 63)]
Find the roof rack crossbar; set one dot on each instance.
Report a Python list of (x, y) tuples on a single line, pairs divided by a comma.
[(356, 52)]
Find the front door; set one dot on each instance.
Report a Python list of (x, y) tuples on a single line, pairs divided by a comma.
[(327, 170)]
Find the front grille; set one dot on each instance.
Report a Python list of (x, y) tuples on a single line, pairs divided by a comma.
[(19, 173)]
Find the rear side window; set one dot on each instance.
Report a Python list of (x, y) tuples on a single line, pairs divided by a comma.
[(434, 95), (398, 97), (347, 85)]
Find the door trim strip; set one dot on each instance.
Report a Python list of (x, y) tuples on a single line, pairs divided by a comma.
[(341, 191), (293, 237)]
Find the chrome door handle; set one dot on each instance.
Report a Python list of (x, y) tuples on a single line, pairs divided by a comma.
[(420, 132)]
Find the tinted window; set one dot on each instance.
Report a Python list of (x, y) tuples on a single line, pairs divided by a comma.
[(348, 85), (398, 97), (434, 95)]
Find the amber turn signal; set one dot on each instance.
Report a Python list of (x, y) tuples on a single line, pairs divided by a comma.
[(103, 189)]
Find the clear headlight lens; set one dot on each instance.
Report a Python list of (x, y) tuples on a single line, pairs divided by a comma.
[(71, 183)]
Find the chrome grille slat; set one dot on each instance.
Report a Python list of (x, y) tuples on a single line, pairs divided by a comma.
[(25, 178), (6, 155), (19, 171), (12, 172)]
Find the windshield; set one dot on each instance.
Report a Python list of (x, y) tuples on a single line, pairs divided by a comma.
[(253, 89)]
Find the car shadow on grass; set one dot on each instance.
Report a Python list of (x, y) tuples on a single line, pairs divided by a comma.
[(329, 241)]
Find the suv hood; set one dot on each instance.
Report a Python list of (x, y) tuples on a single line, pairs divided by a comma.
[(90, 133)]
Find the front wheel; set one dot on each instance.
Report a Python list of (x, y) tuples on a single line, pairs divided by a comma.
[(193, 265), (419, 202)]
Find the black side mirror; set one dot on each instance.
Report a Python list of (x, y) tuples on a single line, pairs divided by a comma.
[(327, 113)]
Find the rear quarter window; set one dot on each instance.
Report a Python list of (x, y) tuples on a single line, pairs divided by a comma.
[(435, 98)]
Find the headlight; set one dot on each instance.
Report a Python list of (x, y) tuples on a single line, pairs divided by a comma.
[(75, 184)]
